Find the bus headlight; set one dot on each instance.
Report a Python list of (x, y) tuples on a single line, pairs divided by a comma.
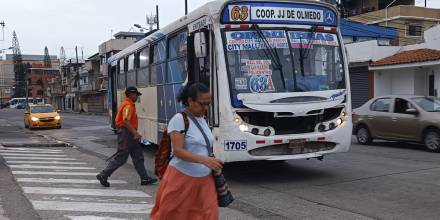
[(244, 127), (57, 117), (34, 119), (237, 120)]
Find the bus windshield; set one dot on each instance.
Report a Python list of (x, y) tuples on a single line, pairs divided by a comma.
[(283, 60)]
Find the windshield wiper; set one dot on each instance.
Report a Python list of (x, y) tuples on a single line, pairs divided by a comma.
[(272, 53), (303, 55)]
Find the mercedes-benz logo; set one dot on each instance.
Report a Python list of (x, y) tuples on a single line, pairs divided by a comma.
[(329, 18)]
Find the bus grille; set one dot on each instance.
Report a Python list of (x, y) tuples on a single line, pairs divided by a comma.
[(284, 149)]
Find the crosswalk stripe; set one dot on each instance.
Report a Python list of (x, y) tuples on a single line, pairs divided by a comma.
[(29, 149), (92, 207), (77, 181), (32, 155), (20, 151), (37, 158), (93, 217), (44, 162), (85, 192), (29, 166), (52, 173)]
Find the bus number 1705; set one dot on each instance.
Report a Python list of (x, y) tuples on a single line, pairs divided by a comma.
[(235, 145)]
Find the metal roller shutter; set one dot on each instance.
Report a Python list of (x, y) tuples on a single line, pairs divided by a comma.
[(359, 86)]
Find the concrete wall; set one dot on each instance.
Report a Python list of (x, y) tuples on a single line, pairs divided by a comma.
[(421, 82), (395, 82)]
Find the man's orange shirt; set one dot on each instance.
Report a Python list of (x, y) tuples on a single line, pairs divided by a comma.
[(127, 111)]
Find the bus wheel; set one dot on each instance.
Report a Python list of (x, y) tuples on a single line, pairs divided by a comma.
[(432, 140), (363, 135)]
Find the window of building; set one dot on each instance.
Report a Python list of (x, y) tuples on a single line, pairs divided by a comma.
[(414, 30), (381, 105)]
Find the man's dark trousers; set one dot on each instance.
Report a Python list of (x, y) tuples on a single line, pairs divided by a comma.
[(127, 145)]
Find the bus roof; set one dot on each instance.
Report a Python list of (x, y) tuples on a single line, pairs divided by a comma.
[(211, 9)]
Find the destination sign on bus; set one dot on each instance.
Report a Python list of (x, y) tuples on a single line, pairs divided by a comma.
[(284, 13)]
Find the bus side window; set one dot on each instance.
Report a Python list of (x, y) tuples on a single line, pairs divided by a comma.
[(159, 63), (199, 68), (143, 72), (131, 72), (121, 75), (177, 63)]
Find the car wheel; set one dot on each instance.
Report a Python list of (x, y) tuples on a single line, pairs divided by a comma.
[(432, 140), (363, 135), (25, 125), (59, 127)]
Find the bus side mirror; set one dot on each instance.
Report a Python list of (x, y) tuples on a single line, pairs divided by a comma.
[(200, 46)]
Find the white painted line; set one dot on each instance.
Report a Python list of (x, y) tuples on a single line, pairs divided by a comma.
[(52, 173), (24, 152), (78, 181), (93, 217), (29, 149), (28, 166), (93, 207), (85, 192), (37, 158), (32, 155), (44, 162)]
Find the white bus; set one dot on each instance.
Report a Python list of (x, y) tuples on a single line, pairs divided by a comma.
[(15, 101), (277, 71)]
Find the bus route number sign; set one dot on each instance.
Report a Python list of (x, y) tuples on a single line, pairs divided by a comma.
[(235, 145)]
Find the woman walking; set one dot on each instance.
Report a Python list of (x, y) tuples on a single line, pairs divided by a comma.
[(187, 190)]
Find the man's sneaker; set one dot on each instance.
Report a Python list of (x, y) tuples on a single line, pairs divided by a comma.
[(103, 180), (148, 181)]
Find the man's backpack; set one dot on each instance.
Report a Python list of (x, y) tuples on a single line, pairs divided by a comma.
[(163, 153)]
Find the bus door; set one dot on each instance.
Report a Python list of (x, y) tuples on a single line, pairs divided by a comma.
[(202, 64), (112, 94)]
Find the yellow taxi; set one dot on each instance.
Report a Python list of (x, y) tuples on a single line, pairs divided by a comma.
[(41, 116)]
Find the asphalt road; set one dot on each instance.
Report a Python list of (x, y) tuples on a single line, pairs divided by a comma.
[(383, 181)]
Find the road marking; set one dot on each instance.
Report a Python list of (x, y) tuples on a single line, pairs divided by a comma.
[(52, 173), (93, 217), (28, 166), (29, 149), (85, 192), (92, 207), (37, 158), (78, 181), (21, 151), (32, 155), (43, 162)]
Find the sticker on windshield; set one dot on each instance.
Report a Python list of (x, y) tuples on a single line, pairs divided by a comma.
[(261, 83), (241, 83), (256, 67), (252, 40), (302, 39)]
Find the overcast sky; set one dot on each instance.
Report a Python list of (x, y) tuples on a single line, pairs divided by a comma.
[(85, 23)]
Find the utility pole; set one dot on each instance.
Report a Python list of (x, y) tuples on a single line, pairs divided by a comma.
[(425, 3), (2, 23), (78, 79), (186, 7), (157, 16)]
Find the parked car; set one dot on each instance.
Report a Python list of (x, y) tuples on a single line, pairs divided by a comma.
[(41, 116), (399, 118)]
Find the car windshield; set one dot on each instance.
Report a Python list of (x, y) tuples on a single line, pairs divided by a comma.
[(429, 104), (42, 109), (260, 61)]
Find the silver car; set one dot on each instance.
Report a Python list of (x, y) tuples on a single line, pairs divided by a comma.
[(399, 118)]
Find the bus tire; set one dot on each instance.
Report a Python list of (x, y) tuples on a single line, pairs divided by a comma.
[(363, 135), (431, 140)]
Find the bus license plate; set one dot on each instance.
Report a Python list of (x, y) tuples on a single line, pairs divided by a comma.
[(297, 143)]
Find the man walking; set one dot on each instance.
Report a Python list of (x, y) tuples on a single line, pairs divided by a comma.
[(128, 141)]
